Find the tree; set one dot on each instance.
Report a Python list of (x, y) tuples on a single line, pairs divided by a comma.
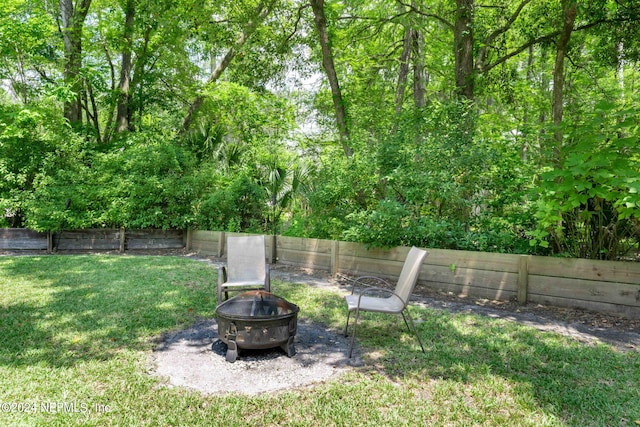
[(570, 10), (463, 39), (261, 12), (123, 118), (329, 67), (72, 16)]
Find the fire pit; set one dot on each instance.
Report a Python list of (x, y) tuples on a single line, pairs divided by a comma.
[(257, 320)]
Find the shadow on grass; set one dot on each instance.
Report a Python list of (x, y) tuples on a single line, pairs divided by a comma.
[(578, 383), (63, 310)]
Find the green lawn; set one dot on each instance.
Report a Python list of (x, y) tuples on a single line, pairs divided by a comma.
[(76, 333)]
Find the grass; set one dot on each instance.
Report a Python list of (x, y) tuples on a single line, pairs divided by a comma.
[(76, 333)]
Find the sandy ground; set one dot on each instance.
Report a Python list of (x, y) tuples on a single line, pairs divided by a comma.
[(195, 358)]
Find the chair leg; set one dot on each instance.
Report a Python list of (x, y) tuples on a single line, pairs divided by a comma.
[(415, 330), (346, 327), (353, 337)]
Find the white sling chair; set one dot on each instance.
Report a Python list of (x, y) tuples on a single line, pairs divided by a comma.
[(369, 298), (246, 267)]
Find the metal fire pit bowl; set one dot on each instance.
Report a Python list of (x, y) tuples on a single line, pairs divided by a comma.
[(257, 320)]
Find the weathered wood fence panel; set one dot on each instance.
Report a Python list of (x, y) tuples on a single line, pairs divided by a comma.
[(303, 252), (606, 286), (87, 240), (154, 239), (23, 239), (206, 242), (91, 240)]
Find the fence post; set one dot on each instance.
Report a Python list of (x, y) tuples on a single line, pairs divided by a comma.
[(335, 256), (221, 239), (122, 240), (523, 279), (189, 241), (274, 250)]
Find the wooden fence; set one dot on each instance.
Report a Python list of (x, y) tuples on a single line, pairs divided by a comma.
[(91, 240), (604, 286)]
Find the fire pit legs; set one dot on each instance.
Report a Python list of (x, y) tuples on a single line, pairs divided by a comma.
[(232, 346), (288, 347)]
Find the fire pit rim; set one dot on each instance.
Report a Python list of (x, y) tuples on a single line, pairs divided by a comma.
[(265, 318)]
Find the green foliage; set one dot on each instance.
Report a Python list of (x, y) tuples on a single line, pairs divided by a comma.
[(234, 204), (429, 185), (589, 204), (146, 183), (422, 166), (33, 141)]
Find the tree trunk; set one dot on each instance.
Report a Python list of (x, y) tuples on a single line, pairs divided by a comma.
[(463, 48), (72, 24), (420, 77), (403, 71), (330, 69), (123, 109), (569, 12)]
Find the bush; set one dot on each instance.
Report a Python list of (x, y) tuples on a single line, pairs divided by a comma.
[(147, 183), (238, 205)]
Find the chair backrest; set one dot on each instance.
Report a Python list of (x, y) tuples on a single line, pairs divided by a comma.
[(409, 274), (246, 259)]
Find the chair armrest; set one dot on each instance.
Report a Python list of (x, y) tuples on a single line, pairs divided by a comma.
[(222, 275), (267, 278), (356, 284)]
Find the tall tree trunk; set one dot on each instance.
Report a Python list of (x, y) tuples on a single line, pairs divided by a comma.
[(463, 48), (403, 71), (570, 11), (92, 113), (262, 11), (420, 77), (136, 103), (123, 109), (330, 69), (72, 24)]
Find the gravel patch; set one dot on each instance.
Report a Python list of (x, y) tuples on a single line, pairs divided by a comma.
[(195, 358)]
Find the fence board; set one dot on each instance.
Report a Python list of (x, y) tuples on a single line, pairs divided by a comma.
[(474, 260), (154, 239), (603, 271), (305, 252), (472, 291), (22, 239), (304, 244), (87, 240), (206, 242), (585, 290), (629, 312)]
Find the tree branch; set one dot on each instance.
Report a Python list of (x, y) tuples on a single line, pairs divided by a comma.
[(499, 31), (438, 18)]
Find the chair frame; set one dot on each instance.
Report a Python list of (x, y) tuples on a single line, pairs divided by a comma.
[(224, 286), (400, 302)]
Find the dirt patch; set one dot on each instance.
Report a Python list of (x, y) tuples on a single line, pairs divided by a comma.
[(195, 358)]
